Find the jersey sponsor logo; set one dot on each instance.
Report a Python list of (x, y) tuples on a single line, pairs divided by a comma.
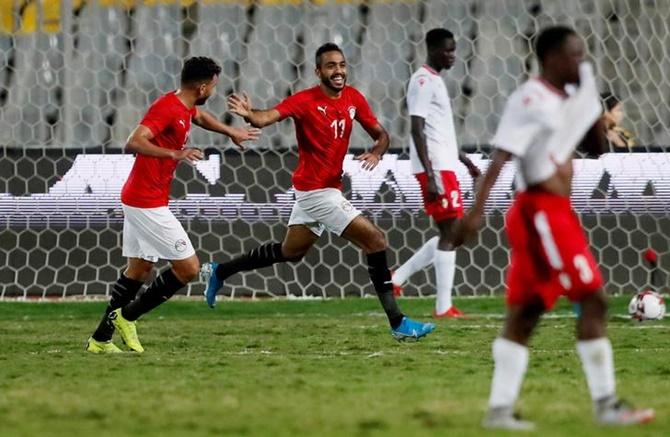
[(183, 124), (180, 245), (352, 112), (422, 80), (322, 109)]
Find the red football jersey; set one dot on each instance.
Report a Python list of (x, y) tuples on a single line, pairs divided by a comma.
[(148, 185), (323, 127)]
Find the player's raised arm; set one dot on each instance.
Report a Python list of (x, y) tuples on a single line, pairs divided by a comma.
[(237, 134), (472, 221), (138, 142), (379, 147), (241, 105)]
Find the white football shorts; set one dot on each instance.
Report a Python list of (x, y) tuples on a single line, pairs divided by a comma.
[(325, 208), (154, 233)]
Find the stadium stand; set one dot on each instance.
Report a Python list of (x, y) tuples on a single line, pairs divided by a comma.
[(266, 47)]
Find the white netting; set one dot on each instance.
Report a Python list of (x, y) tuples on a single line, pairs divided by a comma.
[(75, 77)]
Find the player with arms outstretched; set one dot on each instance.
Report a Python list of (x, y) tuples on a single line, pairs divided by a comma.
[(150, 230), (323, 116), (434, 155), (540, 127)]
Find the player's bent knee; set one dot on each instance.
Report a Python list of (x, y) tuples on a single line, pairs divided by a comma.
[(139, 271), (293, 256), (594, 305), (522, 321), (377, 243), (186, 270), (187, 275)]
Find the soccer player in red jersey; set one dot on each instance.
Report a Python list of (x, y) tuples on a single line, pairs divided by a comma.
[(541, 125), (150, 231), (323, 117)]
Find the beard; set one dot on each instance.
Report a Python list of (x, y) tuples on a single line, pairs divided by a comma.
[(327, 82), (201, 101)]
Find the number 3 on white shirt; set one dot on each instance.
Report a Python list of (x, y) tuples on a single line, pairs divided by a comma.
[(338, 127)]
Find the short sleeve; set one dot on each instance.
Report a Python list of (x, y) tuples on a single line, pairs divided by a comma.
[(364, 114), (523, 119), (289, 107), (158, 117), (419, 96)]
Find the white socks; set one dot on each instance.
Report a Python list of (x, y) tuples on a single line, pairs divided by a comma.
[(445, 267), (511, 361), (418, 261), (598, 363)]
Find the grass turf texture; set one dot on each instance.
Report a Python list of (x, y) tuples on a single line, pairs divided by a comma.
[(304, 368)]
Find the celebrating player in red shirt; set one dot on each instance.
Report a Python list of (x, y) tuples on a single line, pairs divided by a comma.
[(323, 117), (150, 231), (540, 128)]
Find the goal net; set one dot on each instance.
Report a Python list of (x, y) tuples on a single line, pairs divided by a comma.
[(76, 76)]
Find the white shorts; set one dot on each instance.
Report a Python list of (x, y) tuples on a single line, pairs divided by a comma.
[(154, 233), (321, 209)]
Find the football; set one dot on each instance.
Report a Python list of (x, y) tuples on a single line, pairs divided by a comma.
[(647, 305)]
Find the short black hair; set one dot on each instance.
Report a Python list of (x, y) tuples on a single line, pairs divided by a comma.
[(199, 69), (551, 39), (327, 47), (609, 100), (434, 37)]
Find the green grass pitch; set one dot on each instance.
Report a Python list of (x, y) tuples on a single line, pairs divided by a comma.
[(312, 368)]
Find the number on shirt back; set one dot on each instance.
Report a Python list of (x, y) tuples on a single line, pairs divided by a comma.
[(584, 269), (338, 128), (454, 199)]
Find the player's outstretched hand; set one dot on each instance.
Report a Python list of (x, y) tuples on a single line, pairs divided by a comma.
[(467, 228), (240, 134), (368, 160), (240, 104), (189, 155)]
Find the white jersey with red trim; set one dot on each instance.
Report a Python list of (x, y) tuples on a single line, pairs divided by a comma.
[(531, 115), (427, 97)]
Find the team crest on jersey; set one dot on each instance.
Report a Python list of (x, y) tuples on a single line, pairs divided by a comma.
[(180, 245), (352, 112)]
